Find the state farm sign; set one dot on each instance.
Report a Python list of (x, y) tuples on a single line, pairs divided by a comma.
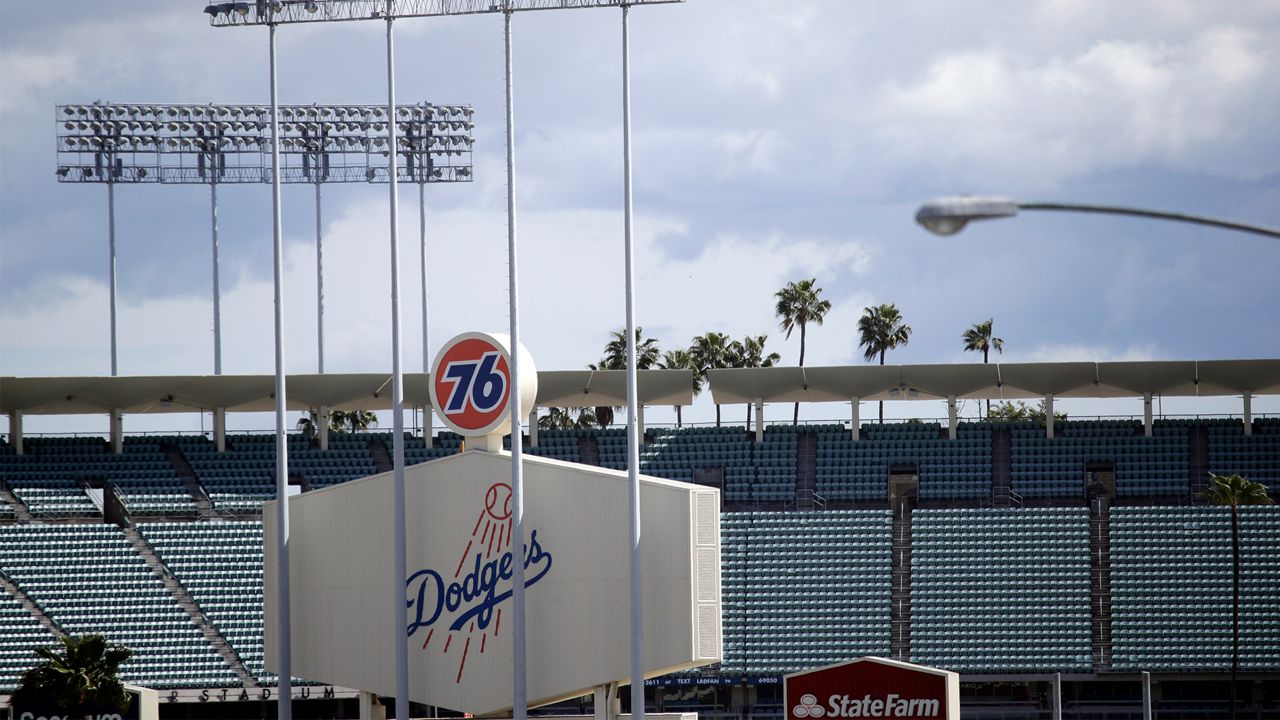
[(872, 688)]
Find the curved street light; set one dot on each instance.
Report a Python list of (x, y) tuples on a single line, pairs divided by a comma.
[(949, 215)]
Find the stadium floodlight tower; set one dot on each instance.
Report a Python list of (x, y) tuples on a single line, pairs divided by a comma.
[(219, 144)]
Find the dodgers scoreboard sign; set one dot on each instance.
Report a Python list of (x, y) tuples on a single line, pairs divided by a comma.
[(872, 688), (461, 557), (470, 383)]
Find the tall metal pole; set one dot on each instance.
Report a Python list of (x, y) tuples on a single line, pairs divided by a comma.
[(284, 635), (422, 242), (400, 643), (111, 245), (217, 291), (633, 434), (519, 696), (319, 286)]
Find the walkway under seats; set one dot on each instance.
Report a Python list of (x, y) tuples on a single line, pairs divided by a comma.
[(90, 579), (1171, 588), (804, 589), (1001, 590)]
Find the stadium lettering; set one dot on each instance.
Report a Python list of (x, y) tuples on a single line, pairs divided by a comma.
[(893, 705), (476, 595), (104, 716)]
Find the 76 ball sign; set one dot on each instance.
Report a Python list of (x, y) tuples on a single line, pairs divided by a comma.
[(471, 383)]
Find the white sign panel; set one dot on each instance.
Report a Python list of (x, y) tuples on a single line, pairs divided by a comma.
[(457, 609)]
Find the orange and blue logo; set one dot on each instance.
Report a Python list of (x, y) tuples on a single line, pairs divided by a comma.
[(471, 384)]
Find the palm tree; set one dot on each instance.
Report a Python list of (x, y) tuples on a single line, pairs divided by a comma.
[(615, 358), (352, 420), (77, 681), (567, 419), (749, 353), (708, 352), (1235, 491), (978, 338), (799, 303), (682, 360), (881, 329), (615, 352)]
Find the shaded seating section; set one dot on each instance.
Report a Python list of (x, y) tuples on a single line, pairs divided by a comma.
[(240, 479), (149, 485), (220, 565), (20, 635), (804, 589), (47, 478), (416, 450), (947, 469), (6, 511), (679, 454), (775, 461), (1256, 456), (1171, 588), (89, 579), (557, 444), (1055, 467), (1001, 590)]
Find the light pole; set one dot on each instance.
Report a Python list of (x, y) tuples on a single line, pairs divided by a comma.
[(272, 12), (950, 215)]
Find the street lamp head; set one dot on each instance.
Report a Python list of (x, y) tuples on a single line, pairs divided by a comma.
[(949, 215)]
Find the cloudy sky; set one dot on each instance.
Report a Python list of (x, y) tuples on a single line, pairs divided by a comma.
[(774, 141)]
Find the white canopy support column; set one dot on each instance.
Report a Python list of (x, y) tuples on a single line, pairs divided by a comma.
[(1146, 695), (220, 429), (640, 422), (1248, 413), (1048, 415), (322, 427), (117, 431), (428, 428), (533, 426), (855, 408), (953, 423), (1146, 414), (15, 431), (1057, 696), (759, 403)]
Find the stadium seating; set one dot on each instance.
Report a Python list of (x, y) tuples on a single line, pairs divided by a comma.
[(1001, 590), (20, 634), (1055, 467), (947, 469), (220, 565), (89, 579), (1171, 588), (775, 466), (803, 589), (1254, 456), (556, 444)]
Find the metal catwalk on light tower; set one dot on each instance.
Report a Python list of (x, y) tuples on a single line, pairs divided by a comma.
[(228, 144)]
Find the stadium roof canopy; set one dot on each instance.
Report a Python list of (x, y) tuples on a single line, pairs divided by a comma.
[(256, 393), (997, 381)]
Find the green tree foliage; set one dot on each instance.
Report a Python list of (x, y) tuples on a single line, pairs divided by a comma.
[(979, 338), (1234, 491), (798, 304), (709, 352), (881, 329), (749, 353), (682, 360), (567, 418), (1022, 412), (648, 356), (76, 677)]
